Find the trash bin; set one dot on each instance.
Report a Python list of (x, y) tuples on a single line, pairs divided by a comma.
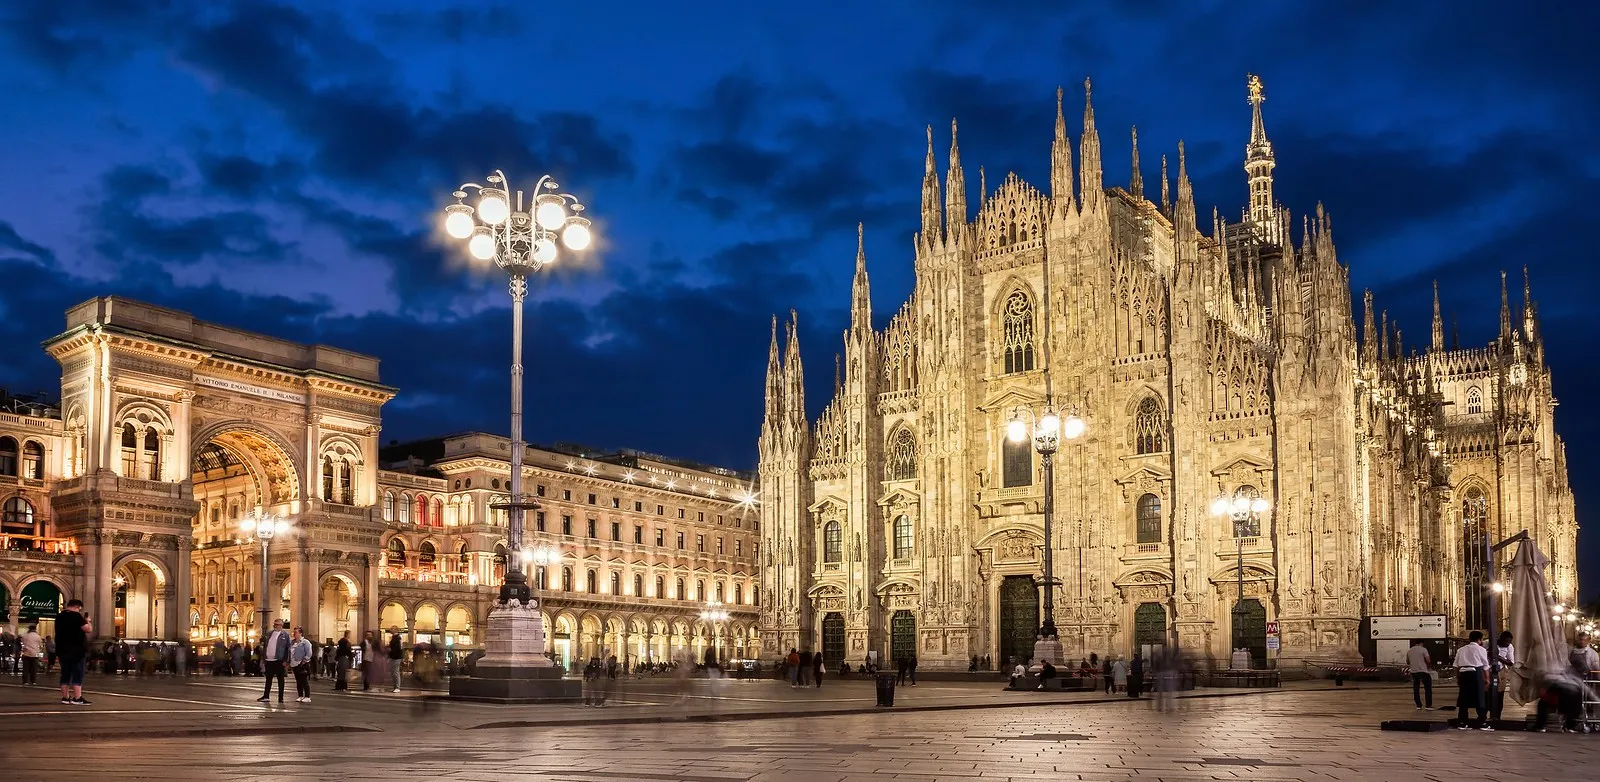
[(886, 689)]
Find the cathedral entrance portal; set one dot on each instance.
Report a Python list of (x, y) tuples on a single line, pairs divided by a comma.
[(1019, 618), (1150, 629), (1250, 630), (833, 640), (902, 636)]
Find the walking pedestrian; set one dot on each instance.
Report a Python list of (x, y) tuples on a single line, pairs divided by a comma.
[(300, 656), (32, 649), (397, 656), (911, 669), (1136, 676), (275, 654), (72, 645), (49, 653), (1471, 662), (793, 663), (1421, 665), (1119, 675), (817, 668)]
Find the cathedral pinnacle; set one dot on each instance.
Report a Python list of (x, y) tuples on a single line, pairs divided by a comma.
[(1091, 176), (1061, 161), (1527, 304), (1136, 183), (1184, 216), (931, 216), (1166, 200), (860, 295), (955, 184), (1369, 330), (1438, 320), (1505, 311)]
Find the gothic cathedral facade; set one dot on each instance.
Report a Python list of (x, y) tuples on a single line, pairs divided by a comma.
[(902, 522)]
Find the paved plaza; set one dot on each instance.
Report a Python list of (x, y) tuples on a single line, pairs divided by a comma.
[(760, 730)]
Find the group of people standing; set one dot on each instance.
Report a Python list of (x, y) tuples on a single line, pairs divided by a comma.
[(1484, 674)]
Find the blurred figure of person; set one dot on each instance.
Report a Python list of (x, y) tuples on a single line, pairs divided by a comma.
[(49, 653), (805, 668), (372, 655), (1136, 676), (1501, 662), (608, 682), (344, 659), (1421, 665), (1166, 673), (1119, 676), (792, 662), (1472, 663), (817, 668), (1105, 673), (1046, 673), (1018, 674)]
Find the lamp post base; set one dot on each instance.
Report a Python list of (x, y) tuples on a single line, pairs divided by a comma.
[(514, 668), (1047, 649)]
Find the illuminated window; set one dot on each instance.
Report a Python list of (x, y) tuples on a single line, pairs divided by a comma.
[(832, 542), (1018, 332)]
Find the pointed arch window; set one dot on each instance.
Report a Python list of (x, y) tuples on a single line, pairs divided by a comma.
[(1474, 406), (902, 537), (1474, 557), (463, 560), (438, 512), (330, 473), (616, 583), (738, 594), (832, 542), (902, 462), (1148, 519), (682, 595), (700, 590), (1150, 427), (1018, 333)]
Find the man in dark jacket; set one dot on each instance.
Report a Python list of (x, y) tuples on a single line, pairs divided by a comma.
[(397, 655), (343, 657)]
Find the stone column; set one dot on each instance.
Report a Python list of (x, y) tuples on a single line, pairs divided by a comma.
[(104, 610), (182, 582), (367, 606), (303, 592)]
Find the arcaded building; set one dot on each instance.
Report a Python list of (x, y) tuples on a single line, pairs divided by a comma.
[(128, 493)]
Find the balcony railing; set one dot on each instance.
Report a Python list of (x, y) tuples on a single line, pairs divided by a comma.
[(424, 574), (61, 546)]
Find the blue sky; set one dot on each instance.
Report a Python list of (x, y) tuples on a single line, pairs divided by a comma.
[(279, 166)]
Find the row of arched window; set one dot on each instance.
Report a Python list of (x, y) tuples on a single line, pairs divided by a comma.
[(17, 517), (338, 480), (24, 462), (406, 509)]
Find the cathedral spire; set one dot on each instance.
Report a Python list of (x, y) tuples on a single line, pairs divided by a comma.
[(1369, 331), (983, 188), (1505, 311), (1258, 165), (1183, 218), (955, 185), (931, 216), (1061, 162), (1455, 333), (838, 376), (794, 400), (1166, 200), (860, 293), (1527, 304), (1438, 320), (1136, 182), (1383, 336), (1092, 184), (774, 379)]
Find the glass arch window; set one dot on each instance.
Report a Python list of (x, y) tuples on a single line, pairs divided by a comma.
[(405, 509), (902, 537), (1018, 333), (661, 587), (388, 506), (1474, 403), (32, 461), (902, 462), (18, 517), (1148, 519), (8, 456), (1150, 427), (591, 582), (832, 542)]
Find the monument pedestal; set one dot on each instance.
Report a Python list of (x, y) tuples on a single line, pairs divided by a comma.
[(1047, 649), (513, 668)]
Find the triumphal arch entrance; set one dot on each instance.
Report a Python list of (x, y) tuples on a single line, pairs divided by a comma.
[(175, 429)]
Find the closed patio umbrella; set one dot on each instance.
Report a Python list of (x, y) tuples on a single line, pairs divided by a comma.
[(1542, 651)]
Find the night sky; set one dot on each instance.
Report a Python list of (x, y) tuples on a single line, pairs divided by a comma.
[(280, 166)]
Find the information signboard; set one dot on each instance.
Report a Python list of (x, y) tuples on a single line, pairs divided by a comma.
[(1405, 628)]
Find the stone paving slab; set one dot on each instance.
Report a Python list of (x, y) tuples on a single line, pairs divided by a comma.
[(1298, 736)]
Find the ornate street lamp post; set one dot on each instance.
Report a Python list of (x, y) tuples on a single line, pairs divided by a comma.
[(264, 525), (521, 233), (1047, 429), (1245, 510)]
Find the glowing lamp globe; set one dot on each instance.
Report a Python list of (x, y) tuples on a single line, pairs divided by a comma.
[(493, 207), (1049, 424), (482, 245), (458, 221), (1221, 506), (544, 250), (1073, 427), (551, 215), (577, 237), (1260, 505), (1016, 431)]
